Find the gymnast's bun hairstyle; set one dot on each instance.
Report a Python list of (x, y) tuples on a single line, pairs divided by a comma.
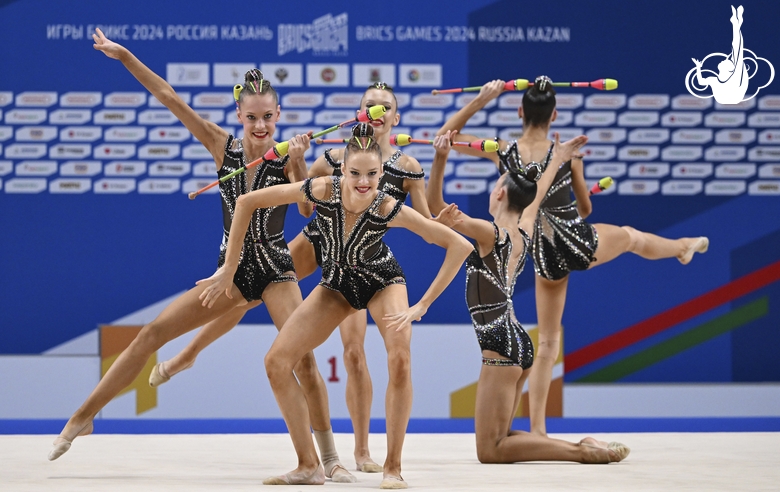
[(520, 184), (539, 102), (363, 141), (254, 83)]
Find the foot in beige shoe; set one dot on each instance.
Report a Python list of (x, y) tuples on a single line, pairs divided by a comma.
[(369, 466), (297, 477), (700, 245), (391, 482), (158, 375), (62, 443), (600, 452), (339, 474), (620, 449)]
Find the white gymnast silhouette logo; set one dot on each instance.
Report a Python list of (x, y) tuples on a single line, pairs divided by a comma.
[(730, 84)]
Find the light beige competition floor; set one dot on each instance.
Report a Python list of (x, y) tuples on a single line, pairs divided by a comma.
[(432, 462)]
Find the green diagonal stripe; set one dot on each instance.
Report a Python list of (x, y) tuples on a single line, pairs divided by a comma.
[(684, 341)]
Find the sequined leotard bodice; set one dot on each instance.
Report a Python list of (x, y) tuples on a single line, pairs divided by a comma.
[(562, 240), (264, 255), (358, 264), (391, 182), (489, 289)]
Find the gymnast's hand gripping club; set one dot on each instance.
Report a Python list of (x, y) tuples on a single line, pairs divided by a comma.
[(523, 84), (280, 149), (403, 140)]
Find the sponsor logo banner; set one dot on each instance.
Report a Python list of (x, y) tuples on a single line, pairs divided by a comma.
[(565, 133), (679, 187), (70, 185), (230, 74), (6, 132), (602, 135), (699, 135), (170, 168), (692, 170), (763, 120), (70, 116), (762, 153), (479, 118), (81, 99), (350, 100), (25, 116), (160, 117), (724, 187), (723, 118), (742, 105), (648, 170), (594, 118), (679, 118), (601, 169), (185, 96), (327, 75), (365, 74), (159, 186), (36, 133), (404, 99), (513, 101), (599, 152), (764, 137), (765, 102), (191, 185), (605, 101), (125, 134), (70, 151), (6, 98), (425, 132), (690, 102), (115, 185), (169, 134), (476, 170), (80, 168), (213, 100), (36, 99), (297, 117), (187, 74), (463, 99), (25, 151), (639, 118), (730, 136), (125, 99), (196, 151), (638, 152), (564, 119), (420, 152), (6, 167), (80, 133), (648, 101), (420, 75), (422, 117), (429, 101), (159, 151), (567, 101), (649, 135), (124, 168), (731, 170), (113, 151), (114, 116), (213, 115), (283, 74), (765, 171), (504, 118), (449, 169), (764, 188), (331, 117), (465, 186), (682, 153), (25, 185), (638, 187), (204, 169), (303, 100), (36, 168), (723, 153)]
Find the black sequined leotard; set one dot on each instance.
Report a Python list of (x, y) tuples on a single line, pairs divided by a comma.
[(562, 240), (391, 182), (358, 264), (264, 256), (489, 289)]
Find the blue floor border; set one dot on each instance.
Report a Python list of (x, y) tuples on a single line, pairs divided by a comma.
[(435, 426)]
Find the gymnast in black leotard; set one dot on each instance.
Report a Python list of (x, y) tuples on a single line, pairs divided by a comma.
[(352, 214), (507, 352)]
